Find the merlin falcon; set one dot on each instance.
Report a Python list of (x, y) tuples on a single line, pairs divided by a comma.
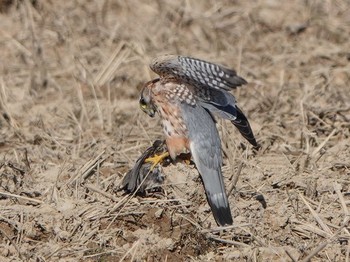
[(187, 95)]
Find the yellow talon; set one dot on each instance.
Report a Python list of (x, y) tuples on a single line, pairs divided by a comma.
[(156, 159)]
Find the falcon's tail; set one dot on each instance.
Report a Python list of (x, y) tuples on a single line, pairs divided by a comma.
[(216, 195), (205, 148), (208, 161)]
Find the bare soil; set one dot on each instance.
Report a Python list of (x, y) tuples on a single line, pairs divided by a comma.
[(70, 126)]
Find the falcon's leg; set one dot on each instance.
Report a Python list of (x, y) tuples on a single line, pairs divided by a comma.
[(156, 159)]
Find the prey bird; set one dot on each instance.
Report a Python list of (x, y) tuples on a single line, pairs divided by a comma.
[(144, 176), (187, 95)]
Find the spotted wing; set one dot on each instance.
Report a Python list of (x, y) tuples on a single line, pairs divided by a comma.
[(197, 72)]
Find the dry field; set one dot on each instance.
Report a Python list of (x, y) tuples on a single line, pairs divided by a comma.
[(70, 126)]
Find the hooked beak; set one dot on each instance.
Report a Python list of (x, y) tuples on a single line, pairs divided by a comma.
[(148, 110), (151, 112)]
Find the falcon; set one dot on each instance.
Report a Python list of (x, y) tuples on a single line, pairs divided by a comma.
[(187, 95)]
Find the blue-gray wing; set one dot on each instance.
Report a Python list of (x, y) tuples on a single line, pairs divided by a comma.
[(205, 148), (237, 118)]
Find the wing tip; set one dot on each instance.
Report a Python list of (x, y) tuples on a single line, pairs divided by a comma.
[(242, 81), (238, 81), (242, 124)]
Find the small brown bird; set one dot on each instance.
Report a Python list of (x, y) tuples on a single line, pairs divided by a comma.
[(144, 175)]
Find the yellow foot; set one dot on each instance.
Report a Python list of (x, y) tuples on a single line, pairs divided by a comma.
[(156, 159)]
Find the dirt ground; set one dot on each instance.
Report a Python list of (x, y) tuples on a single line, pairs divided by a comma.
[(70, 73)]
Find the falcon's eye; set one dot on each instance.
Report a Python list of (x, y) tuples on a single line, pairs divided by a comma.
[(143, 103)]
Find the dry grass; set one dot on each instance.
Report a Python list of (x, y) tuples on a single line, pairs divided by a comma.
[(71, 127)]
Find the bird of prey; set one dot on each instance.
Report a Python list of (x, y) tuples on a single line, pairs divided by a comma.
[(187, 95)]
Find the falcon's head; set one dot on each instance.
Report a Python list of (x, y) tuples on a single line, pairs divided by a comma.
[(146, 103)]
